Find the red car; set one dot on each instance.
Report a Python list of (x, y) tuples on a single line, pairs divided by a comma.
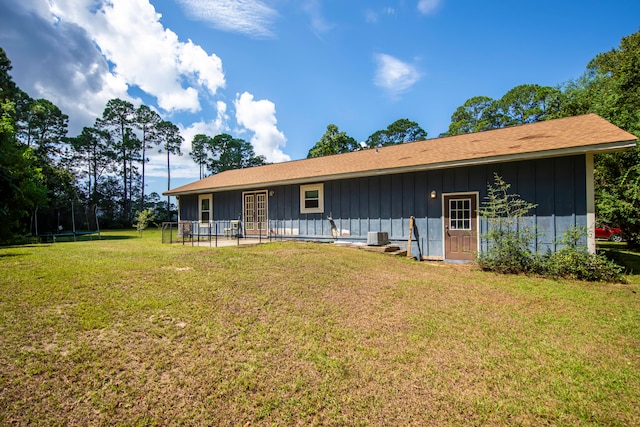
[(605, 232)]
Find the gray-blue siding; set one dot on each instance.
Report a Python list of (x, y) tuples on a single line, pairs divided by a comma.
[(386, 202)]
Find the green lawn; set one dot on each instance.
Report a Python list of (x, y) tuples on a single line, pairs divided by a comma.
[(620, 254), (127, 331)]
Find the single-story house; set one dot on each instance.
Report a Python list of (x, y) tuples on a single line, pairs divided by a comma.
[(437, 186)]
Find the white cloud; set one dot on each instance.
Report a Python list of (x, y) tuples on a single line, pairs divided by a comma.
[(183, 166), (260, 118), (393, 75), (249, 17), (427, 6), (191, 59), (77, 77), (211, 128), (154, 59), (319, 25), (372, 17), (97, 50)]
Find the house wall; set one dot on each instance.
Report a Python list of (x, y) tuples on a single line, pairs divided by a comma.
[(188, 207), (386, 202)]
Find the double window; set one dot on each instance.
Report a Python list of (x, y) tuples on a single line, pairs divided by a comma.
[(312, 198)]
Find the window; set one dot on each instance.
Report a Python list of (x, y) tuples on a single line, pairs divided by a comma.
[(205, 207), (460, 214), (312, 198)]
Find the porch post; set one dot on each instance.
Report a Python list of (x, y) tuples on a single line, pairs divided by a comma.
[(591, 204)]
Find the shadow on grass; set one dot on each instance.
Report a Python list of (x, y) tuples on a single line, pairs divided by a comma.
[(83, 239), (113, 237), (16, 246), (66, 239), (621, 255), (8, 255)]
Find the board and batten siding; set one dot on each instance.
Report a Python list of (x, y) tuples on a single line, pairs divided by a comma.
[(188, 207), (226, 206), (386, 202)]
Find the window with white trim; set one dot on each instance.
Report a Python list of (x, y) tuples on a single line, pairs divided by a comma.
[(312, 198), (460, 214), (204, 207)]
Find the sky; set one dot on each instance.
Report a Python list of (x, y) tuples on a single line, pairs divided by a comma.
[(277, 72)]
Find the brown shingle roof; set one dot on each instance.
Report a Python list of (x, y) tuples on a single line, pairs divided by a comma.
[(580, 134)]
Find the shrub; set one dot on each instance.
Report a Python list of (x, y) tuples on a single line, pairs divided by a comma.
[(509, 244), (574, 261), (507, 253), (143, 218)]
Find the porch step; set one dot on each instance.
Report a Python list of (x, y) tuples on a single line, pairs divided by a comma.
[(389, 249), (382, 249), (399, 252)]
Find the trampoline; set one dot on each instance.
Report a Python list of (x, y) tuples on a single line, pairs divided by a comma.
[(77, 221)]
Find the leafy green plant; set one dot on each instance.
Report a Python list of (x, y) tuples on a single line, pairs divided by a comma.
[(143, 219), (508, 241), (574, 261)]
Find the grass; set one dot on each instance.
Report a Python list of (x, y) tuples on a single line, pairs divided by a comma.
[(621, 255), (127, 331)]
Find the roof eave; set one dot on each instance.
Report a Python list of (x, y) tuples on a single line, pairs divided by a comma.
[(562, 152)]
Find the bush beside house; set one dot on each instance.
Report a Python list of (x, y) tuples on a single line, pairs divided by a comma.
[(509, 243)]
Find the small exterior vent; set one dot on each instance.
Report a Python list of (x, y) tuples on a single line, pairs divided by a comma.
[(377, 238)]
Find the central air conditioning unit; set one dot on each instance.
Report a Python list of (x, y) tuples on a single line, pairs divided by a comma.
[(377, 238)]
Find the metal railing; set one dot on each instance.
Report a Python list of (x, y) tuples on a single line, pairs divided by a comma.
[(169, 232), (199, 232), (212, 232)]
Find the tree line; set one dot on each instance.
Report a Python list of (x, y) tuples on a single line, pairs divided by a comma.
[(42, 168), (109, 158), (609, 87)]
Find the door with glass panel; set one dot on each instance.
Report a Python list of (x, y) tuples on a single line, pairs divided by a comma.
[(460, 226), (255, 213), (203, 227)]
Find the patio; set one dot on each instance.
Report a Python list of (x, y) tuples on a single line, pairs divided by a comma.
[(220, 241)]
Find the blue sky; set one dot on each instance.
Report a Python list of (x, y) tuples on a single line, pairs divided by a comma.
[(277, 72)]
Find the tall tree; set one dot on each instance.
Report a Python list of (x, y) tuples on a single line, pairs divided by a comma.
[(22, 186), (8, 88), (118, 118), (200, 146), (520, 105), (528, 104), (93, 148), (398, 132), (579, 94), (146, 121), (477, 114), (133, 174), (333, 142), (44, 128), (613, 92), (110, 201), (21, 180), (229, 153), (170, 143), (621, 86)]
